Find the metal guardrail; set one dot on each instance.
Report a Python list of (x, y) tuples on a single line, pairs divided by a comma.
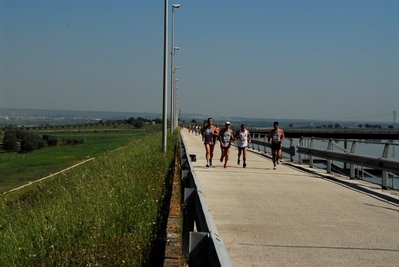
[(201, 241), (348, 156), (336, 133), (379, 163)]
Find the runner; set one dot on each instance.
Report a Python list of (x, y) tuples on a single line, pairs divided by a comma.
[(225, 137), (209, 135), (277, 137), (243, 137)]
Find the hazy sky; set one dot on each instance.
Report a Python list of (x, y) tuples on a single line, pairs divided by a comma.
[(329, 60)]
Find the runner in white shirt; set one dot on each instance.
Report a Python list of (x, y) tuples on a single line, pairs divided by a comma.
[(243, 137)]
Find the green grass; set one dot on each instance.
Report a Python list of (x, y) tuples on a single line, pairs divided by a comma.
[(102, 213), (18, 169)]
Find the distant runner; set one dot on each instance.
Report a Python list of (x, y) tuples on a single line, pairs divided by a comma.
[(277, 137)]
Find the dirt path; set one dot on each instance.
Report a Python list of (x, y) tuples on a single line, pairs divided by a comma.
[(44, 178)]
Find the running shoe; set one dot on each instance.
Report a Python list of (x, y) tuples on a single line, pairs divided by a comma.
[(207, 165), (225, 166), (274, 168), (210, 163), (221, 159), (238, 161), (244, 165)]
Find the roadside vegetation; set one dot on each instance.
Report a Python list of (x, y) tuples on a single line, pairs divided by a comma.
[(74, 144), (103, 213)]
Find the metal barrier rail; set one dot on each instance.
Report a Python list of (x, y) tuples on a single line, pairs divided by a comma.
[(387, 166), (381, 163), (201, 241)]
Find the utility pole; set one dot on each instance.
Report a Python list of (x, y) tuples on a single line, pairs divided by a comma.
[(165, 79)]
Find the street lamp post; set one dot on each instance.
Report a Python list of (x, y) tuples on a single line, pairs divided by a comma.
[(165, 79), (175, 102), (177, 106), (172, 93), (174, 80)]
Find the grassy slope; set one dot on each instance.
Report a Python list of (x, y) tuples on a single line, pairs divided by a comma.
[(102, 213), (18, 169)]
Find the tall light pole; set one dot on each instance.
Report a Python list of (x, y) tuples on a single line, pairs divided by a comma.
[(173, 93), (177, 105), (165, 79), (172, 112)]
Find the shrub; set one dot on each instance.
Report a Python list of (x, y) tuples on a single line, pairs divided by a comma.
[(52, 141)]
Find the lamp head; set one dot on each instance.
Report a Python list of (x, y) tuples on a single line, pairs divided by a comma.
[(175, 5)]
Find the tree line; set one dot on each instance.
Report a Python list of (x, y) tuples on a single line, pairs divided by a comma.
[(20, 140), (23, 141)]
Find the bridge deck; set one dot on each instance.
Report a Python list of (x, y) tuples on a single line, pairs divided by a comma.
[(291, 217)]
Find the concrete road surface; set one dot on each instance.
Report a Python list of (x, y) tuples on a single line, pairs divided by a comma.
[(289, 217)]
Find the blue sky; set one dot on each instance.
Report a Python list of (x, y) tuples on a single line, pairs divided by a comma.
[(328, 60)]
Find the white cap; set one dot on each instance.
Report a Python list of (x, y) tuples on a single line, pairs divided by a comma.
[(227, 122)]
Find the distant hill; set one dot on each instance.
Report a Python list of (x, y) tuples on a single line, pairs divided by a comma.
[(35, 117)]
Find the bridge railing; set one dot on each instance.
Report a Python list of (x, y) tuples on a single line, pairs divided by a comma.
[(348, 156), (356, 162), (201, 241)]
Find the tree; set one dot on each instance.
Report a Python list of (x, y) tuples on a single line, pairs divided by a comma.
[(291, 125), (28, 143), (360, 125), (10, 141), (138, 124), (390, 127), (10, 144), (193, 121), (131, 121), (52, 141), (39, 141)]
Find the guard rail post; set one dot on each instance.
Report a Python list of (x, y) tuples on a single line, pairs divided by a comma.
[(299, 153), (352, 166), (188, 209), (385, 173), (291, 145), (329, 161), (311, 156)]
